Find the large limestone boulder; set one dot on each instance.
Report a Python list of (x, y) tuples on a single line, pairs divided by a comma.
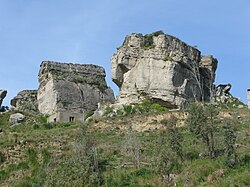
[(161, 68), (3, 94), (71, 89), (26, 101)]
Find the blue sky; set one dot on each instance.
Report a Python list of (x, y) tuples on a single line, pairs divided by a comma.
[(89, 32)]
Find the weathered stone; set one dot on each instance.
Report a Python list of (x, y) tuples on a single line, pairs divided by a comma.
[(68, 91), (161, 68), (3, 94), (16, 125), (17, 117), (207, 67), (223, 95), (26, 101)]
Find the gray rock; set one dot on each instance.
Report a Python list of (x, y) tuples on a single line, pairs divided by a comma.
[(71, 90), (241, 106), (223, 95), (26, 101), (161, 68), (3, 94), (207, 68), (16, 125), (17, 117)]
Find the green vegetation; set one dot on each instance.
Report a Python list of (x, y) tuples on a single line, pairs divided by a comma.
[(74, 154), (146, 107), (168, 58), (148, 39)]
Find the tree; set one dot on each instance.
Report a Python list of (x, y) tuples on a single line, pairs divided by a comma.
[(174, 137), (132, 147), (167, 164), (170, 150), (203, 121), (230, 140)]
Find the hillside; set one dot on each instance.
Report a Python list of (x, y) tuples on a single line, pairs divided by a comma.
[(122, 150)]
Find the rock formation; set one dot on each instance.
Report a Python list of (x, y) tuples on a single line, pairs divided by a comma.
[(222, 93), (16, 118), (223, 96), (68, 91), (161, 68), (26, 101), (207, 68), (3, 94)]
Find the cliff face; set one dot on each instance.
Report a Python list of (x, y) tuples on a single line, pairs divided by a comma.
[(71, 87), (161, 67), (26, 101), (207, 68)]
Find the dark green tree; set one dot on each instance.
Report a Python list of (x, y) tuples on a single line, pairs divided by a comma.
[(203, 123)]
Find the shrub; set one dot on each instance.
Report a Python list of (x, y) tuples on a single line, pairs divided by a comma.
[(89, 113), (48, 125), (2, 157), (128, 110), (230, 140), (108, 110), (168, 58), (148, 39)]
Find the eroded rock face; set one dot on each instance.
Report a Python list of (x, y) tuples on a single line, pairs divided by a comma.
[(223, 94), (3, 94), (26, 101), (207, 68), (162, 68), (71, 88)]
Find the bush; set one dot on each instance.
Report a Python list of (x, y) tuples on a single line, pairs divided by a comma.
[(2, 157), (48, 125), (89, 113), (148, 39)]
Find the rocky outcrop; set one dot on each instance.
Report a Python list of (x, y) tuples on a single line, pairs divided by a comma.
[(161, 68), (26, 101), (223, 94), (207, 68), (71, 88), (16, 118), (3, 94)]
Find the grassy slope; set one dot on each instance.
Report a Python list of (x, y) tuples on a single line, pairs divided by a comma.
[(34, 153)]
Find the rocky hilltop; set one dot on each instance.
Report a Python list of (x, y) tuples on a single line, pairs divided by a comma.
[(26, 101), (71, 89), (161, 68)]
